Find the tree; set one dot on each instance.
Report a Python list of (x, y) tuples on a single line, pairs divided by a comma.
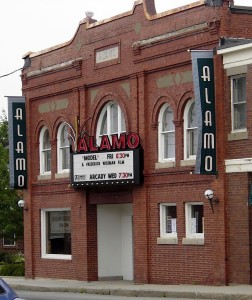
[(11, 216)]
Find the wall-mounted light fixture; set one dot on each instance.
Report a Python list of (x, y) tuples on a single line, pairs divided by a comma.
[(21, 204), (209, 194)]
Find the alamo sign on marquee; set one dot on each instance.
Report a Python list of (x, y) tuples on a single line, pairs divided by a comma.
[(102, 167)]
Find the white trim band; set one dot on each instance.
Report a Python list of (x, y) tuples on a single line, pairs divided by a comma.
[(238, 165)]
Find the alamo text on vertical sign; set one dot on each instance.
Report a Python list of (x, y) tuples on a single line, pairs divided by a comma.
[(17, 142), (203, 77)]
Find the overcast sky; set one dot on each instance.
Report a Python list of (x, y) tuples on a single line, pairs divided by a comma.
[(33, 25)]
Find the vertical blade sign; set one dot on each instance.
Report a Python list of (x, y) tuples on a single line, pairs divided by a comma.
[(17, 142), (203, 77)]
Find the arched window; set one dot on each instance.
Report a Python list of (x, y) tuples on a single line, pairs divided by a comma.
[(166, 134), (45, 151), (191, 130), (63, 148), (111, 120)]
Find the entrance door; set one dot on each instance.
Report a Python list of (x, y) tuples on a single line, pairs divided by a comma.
[(115, 241)]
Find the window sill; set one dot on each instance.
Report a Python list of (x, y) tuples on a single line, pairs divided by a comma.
[(187, 162), (57, 256), (193, 241), (45, 177), (62, 175), (239, 135), (165, 164), (167, 241)]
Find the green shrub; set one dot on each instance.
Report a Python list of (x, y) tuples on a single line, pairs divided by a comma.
[(11, 257), (17, 258), (4, 256), (13, 269)]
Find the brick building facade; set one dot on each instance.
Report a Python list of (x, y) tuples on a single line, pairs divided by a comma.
[(237, 56), (11, 246), (133, 73)]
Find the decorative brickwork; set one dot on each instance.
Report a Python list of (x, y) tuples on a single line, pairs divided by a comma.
[(153, 67)]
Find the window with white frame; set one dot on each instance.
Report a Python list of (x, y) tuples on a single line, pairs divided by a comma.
[(9, 242), (168, 220), (63, 147), (191, 130), (238, 94), (194, 220), (56, 233), (166, 134), (111, 120), (45, 151)]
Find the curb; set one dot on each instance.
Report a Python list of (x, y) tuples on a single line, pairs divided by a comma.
[(135, 293)]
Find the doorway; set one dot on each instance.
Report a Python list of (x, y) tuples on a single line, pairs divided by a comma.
[(115, 241)]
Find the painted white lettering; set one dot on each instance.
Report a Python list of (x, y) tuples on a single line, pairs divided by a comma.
[(206, 96), (208, 118), (208, 163), (19, 114), (21, 180), (18, 131), (20, 164), (206, 74), (209, 141), (20, 147)]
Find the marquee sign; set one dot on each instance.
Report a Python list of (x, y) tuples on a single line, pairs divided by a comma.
[(17, 142), (203, 77), (117, 161)]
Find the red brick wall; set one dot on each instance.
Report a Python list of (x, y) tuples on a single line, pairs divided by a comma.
[(17, 248), (238, 228), (87, 88)]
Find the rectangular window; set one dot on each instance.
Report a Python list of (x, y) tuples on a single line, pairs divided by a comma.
[(56, 233), (9, 242), (194, 220), (238, 94), (168, 220)]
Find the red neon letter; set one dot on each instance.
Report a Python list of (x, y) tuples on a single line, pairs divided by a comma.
[(92, 144), (118, 143), (105, 144), (133, 140), (82, 145)]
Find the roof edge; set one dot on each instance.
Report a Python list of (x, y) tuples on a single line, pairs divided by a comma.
[(238, 9), (149, 11)]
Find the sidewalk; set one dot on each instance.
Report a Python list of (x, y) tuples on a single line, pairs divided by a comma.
[(127, 288)]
